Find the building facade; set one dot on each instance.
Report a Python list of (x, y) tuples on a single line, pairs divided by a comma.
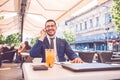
[(94, 29)]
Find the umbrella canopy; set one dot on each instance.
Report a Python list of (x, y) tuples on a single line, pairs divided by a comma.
[(29, 16)]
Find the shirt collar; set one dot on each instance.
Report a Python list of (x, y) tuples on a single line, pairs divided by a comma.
[(51, 37)]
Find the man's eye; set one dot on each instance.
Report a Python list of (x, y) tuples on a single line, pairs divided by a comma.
[(50, 26)]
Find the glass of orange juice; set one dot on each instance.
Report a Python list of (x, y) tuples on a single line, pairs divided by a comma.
[(50, 57)]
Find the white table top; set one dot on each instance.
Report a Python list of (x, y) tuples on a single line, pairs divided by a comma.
[(59, 73)]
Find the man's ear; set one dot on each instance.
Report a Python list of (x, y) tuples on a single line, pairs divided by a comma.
[(56, 27)]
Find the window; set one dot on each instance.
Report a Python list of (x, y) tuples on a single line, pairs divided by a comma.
[(97, 21), (66, 23), (91, 23), (108, 18), (80, 26), (85, 24), (77, 28)]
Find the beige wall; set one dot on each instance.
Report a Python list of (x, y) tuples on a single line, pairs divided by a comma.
[(99, 11)]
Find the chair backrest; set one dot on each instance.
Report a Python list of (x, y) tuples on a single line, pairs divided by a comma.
[(8, 56), (86, 56), (104, 56), (0, 61)]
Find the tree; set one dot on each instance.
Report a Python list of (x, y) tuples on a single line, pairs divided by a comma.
[(13, 39), (69, 35), (116, 14), (2, 39), (34, 40)]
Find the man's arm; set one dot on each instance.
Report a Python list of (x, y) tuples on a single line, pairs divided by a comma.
[(71, 54), (37, 50)]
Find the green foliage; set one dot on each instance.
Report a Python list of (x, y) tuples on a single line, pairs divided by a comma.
[(33, 41), (1, 17), (116, 14), (13, 39), (69, 35), (2, 39)]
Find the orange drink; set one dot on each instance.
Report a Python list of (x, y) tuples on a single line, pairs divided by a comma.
[(50, 57)]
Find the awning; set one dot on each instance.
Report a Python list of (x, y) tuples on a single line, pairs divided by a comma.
[(28, 16), (98, 38)]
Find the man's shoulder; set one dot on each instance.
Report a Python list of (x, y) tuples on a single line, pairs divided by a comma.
[(60, 39)]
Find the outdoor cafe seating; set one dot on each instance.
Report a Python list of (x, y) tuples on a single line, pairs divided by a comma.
[(104, 56), (86, 56), (7, 56), (99, 56)]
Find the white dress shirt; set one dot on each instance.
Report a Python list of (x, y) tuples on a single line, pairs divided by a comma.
[(55, 47)]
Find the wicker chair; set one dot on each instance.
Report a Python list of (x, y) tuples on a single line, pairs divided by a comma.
[(0, 61), (86, 56), (104, 56)]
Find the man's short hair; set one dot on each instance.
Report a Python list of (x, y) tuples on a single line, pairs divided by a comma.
[(50, 20)]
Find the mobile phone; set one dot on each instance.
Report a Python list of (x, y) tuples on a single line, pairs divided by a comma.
[(40, 67)]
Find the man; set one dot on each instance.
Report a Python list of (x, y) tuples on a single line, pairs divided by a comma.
[(61, 46)]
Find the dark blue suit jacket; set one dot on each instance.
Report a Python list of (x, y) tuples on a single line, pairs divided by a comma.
[(38, 50)]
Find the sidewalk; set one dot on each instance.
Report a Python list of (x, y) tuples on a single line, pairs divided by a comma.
[(10, 71)]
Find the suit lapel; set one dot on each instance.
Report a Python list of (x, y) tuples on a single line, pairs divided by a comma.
[(57, 44), (46, 42)]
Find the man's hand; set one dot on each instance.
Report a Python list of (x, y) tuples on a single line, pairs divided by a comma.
[(42, 34), (77, 60)]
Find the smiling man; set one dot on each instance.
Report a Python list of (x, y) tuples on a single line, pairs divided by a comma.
[(60, 46)]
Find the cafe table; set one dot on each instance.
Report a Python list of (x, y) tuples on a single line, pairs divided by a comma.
[(59, 73), (24, 56)]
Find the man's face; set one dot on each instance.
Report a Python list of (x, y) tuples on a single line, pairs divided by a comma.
[(50, 28)]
